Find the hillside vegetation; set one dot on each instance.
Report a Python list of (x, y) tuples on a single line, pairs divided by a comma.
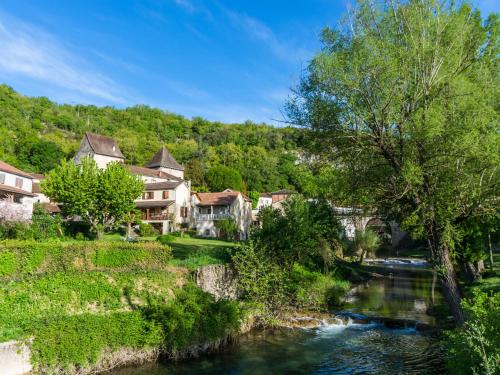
[(36, 133)]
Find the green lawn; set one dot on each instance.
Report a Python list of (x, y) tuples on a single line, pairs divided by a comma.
[(491, 279), (195, 252)]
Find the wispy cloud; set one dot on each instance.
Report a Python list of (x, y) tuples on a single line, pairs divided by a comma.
[(33, 53), (186, 4), (258, 30)]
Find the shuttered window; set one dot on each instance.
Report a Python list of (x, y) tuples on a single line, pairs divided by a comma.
[(2, 178), (19, 183)]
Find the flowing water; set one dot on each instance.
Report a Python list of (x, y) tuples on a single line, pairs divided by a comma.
[(343, 348)]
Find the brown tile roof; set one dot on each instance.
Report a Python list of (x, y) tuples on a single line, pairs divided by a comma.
[(224, 198), (4, 167), (163, 158), (15, 190), (142, 171), (265, 195), (162, 185), (148, 204), (51, 208), (103, 145), (37, 176)]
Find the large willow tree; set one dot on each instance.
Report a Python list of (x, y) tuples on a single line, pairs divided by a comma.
[(402, 101)]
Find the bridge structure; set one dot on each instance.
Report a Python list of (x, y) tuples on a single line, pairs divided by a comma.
[(353, 219)]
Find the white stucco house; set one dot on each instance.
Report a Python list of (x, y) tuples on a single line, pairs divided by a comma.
[(166, 201), (16, 196), (208, 208)]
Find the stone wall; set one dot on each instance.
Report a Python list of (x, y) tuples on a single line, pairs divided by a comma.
[(14, 358), (219, 280)]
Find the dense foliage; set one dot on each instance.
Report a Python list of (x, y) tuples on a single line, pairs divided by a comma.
[(103, 198), (83, 300), (35, 134), (281, 265), (403, 102), (475, 347)]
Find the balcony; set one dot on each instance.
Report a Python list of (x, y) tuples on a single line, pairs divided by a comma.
[(207, 217)]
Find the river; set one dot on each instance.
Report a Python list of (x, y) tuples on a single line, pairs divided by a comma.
[(343, 348)]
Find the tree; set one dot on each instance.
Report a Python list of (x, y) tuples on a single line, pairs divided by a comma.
[(402, 102), (45, 155), (101, 197), (364, 242), (221, 177), (227, 229)]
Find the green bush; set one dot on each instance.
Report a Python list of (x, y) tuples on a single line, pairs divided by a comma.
[(194, 317), (165, 239), (73, 342), (147, 230), (45, 226), (314, 290), (15, 230), (474, 348)]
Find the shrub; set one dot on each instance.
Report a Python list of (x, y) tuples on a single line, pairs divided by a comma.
[(474, 348), (45, 226), (194, 317), (15, 230), (147, 230), (76, 341), (314, 290), (165, 239)]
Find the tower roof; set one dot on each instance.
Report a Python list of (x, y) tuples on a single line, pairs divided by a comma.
[(103, 145), (164, 159)]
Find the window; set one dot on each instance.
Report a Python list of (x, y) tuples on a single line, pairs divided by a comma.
[(166, 194), (184, 211), (2, 178), (148, 195), (19, 183)]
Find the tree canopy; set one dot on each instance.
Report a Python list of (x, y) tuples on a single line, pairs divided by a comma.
[(402, 102), (101, 197)]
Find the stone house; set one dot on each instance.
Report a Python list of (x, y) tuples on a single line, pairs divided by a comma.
[(165, 202), (16, 196), (208, 208)]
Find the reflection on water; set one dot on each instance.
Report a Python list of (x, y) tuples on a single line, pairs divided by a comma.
[(334, 348), (403, 295)]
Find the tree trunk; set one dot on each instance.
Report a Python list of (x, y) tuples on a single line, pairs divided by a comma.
[(446, 273), (472, 272), (490, 248), (362, 256)]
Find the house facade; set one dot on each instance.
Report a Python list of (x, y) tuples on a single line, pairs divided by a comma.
[(165, 202), (16, 196), (208, 208)]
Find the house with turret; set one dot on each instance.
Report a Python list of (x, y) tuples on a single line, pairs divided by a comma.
[(165, 202)]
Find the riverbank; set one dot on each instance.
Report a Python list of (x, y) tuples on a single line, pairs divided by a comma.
[(88, 306)]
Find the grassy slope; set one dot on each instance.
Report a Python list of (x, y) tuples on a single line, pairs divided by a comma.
[(491, 279), (195, 252)]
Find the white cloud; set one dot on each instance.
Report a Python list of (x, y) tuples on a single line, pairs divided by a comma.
[(30, 52), (261, 32)]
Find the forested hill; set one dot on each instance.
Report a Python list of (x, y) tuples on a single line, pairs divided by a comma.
[(36, 133)]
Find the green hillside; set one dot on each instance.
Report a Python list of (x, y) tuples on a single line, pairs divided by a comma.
[(36, 133)]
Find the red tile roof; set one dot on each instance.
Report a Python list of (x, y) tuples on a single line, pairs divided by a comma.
[(224, 198), (4, 167), (51, 208)]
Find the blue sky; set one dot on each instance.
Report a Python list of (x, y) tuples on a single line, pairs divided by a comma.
[(222, 60)]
